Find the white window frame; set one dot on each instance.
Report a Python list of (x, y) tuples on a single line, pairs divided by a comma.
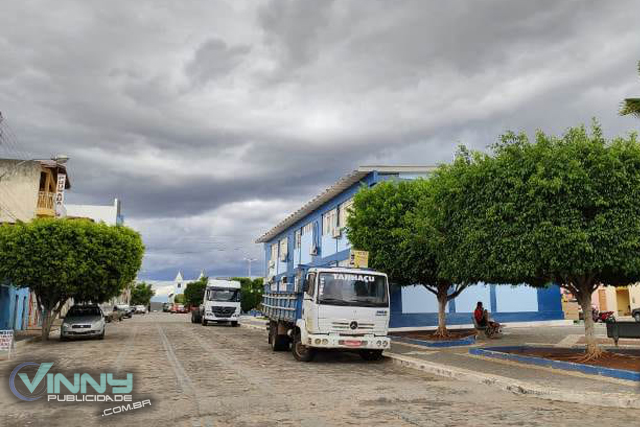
[(284, 248), (307, 229), (297, 239), (274, 251), (343, 212), (329, 222)]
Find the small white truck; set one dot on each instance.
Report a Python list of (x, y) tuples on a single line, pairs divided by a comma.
[(221, 302), (329, 308)]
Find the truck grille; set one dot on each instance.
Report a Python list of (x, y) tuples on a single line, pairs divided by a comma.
[(345, 328), (223, 311)]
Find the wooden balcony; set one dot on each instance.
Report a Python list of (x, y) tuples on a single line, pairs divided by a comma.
[(45, 206)]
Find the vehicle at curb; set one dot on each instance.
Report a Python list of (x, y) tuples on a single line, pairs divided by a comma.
[(140, 309), (127, 312), (166, 307), (221, 302), (336, 308), (636, 314), (196, 314), (180, 308), (83, 321), (112, 315)]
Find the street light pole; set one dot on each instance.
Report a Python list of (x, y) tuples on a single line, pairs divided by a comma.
[(250, 260)]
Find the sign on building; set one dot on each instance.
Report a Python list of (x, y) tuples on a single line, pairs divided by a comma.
[(59, 200), (6, 341), (359, 259)]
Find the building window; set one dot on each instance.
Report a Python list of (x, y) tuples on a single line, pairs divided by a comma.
[(329, 222), (274, 251), (297, 239), (307, 229), (343, 212), (283, 249)]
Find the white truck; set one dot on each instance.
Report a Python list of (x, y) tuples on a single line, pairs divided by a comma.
[(221, 302), (329, 308)]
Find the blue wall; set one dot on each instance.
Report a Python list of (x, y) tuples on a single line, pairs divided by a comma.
[(514, 305), (14, 307)]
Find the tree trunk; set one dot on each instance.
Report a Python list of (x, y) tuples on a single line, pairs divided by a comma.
[(593, 351), (442, 317), (47, 321)]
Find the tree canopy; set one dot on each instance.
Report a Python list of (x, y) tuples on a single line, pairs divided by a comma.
[(142, 293), (60, 259), (194, 292), (391, 221), (562, 209), (631, 105), (251, 292)]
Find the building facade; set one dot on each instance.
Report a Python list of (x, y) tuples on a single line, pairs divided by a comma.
[(28, 189), (109, 214), (314, 236)]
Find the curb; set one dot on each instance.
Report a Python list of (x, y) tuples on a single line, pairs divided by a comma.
[(612, 400), (466, 341)]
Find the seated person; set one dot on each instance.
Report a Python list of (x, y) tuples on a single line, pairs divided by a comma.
[(483, 320)]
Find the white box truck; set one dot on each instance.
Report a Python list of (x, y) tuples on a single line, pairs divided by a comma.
[(329, 308), (221, 302)]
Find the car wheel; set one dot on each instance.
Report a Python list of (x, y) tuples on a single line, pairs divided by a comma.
[(63, 338), (204, 322), (234, 324), (371, 354), (101, 336), (301, 352), (637, 317)]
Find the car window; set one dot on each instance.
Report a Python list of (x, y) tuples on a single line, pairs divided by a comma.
[(83, 311)]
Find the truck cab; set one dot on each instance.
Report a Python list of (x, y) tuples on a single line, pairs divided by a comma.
[(340, 308), (221, 302)]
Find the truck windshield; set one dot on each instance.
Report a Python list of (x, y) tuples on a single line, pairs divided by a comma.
[(229, 295), (364, 290)]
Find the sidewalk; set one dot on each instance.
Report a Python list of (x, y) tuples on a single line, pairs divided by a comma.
[(549, 383)]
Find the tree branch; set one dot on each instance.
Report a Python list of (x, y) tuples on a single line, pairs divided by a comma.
[(433, 291), (458, 290)]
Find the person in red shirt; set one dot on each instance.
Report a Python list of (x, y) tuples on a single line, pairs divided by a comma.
[(480, 315), (482, 319)]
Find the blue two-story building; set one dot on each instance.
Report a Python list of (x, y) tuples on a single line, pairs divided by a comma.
[(314, 236)]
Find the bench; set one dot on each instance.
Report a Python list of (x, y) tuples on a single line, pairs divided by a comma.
[(617, 330)]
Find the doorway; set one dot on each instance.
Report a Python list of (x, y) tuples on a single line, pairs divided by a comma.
[(623, 302)]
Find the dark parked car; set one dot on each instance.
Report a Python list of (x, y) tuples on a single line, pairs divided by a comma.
[(127, 312), (166, 307), (196, 314)]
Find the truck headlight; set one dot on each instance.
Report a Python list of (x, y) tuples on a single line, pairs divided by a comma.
[(384, 343)]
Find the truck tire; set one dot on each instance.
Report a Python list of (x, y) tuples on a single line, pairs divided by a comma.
[(278, 342), (371, 354), (204, 321), (301, 352), (637, 317), (234, 323)]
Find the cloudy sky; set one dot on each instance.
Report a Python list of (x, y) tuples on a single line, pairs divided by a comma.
[(212, 120)]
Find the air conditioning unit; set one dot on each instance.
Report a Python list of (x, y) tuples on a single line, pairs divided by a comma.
[(337, 232)]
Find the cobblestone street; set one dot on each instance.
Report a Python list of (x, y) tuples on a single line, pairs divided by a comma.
[(218, 375)]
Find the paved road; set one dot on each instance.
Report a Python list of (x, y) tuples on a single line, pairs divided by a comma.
[(217, 375)]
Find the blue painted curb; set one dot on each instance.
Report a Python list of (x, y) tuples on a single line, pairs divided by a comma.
[(498, 353), (470, 340)]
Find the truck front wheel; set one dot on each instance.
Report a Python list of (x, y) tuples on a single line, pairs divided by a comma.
[(371, 354), (301, 352)]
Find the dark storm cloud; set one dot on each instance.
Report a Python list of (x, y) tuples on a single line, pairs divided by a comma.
[(214, 120)]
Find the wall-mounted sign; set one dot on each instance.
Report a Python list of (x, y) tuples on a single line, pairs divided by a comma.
[(359, 259), (59, 199)]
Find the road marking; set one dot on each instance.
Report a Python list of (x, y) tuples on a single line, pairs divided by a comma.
[(184, 382)]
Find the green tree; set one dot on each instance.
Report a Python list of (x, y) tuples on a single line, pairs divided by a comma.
[(251, 292), (558, 209), (194, 292), (141, 294), (389, 222), (179, 299), (631, 105), (60, 259)]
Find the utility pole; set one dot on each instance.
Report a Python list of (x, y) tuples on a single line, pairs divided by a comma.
[(250, 260)]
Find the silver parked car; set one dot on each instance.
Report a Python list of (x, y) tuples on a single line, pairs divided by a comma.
[(83, 321)]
